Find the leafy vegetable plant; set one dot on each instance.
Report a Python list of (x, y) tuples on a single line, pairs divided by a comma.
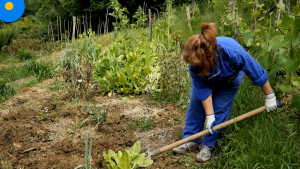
[(127, 159)]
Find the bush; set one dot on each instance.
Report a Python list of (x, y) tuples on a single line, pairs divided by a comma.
[(24, 54), (5, 92), (32, 44), (41, 70), (7, 34)]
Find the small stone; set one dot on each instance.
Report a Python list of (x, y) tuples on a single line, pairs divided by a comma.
[(17, 145)]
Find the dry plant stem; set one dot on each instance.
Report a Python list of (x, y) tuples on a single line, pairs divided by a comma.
[(205, 132)]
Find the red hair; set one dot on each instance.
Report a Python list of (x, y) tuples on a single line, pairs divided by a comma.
[(201, 49)]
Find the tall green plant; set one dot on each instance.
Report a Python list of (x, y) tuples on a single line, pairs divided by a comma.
[(119, 14)]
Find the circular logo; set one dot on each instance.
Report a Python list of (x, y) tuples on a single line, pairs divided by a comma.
[(11, 10)]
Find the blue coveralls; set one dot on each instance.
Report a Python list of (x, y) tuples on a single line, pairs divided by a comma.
[(222, 83)]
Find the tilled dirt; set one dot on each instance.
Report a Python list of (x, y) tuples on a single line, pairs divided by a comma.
[(29, 141)]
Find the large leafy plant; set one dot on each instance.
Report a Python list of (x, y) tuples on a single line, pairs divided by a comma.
[(124, 65), (276, 48), (127, 159)]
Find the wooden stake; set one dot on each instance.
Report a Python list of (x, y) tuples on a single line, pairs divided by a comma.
[(68, 30), (237, 27), (150, 24), (86, 24), (278, 14), (193, 7), (289, 6), (48, 30), (57, 29), (61, 37), (91, 21), (83, 22), (188, 17), (74, 23), (254, 18), (52, 31), (144, 8), (105, 25), (157, 13), (78, 26)]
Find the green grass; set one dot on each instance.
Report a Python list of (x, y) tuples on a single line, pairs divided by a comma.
[(41, 71), (267, 140)]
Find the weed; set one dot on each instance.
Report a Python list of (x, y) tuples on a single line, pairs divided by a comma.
[(24, 54), (43, 117), (6, 92), (4, 163), (143, 123)]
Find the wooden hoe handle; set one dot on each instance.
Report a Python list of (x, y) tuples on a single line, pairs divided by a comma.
[(204, 132)]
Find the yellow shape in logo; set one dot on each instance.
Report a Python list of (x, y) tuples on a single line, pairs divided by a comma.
[(9, 6)]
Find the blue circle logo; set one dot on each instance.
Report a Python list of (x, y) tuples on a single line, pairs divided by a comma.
[(11, 10)]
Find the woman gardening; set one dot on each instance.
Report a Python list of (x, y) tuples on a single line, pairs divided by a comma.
[(217, 66)]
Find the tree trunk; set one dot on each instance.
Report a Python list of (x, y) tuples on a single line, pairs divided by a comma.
[(278, 10), (231, 5), (193, 7)]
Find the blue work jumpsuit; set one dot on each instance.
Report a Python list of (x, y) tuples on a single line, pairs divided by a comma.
[(222, 83)]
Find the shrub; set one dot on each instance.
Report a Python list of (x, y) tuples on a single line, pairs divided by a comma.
[(7, 34), (124, 65), (5, 92), (24, 54)]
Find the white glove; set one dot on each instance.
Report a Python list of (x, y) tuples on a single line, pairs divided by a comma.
[(210, 122), (270, 102)]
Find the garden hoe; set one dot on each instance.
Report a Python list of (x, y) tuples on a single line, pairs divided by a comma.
[(205, 132)]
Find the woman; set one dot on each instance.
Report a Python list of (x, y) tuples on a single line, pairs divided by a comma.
[(216, 66)]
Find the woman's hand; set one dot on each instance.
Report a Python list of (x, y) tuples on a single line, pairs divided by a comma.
[(210, 116), (270, 101), (210, 122)]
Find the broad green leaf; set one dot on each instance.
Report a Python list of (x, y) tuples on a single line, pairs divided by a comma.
[(296, 83), (276, 42), (124, 162), (249, 42), (287, 21), (113, 155), (285, 88), (108, 159), (291, 65), (134, 150), (266, 62), (295, 102), (138, 161), (281, 6), (297, 54), (230, 16), (274, 70), (147, 163), (296, 28), (297, 9)]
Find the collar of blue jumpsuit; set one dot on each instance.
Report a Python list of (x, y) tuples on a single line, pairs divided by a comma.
[(211, 75)]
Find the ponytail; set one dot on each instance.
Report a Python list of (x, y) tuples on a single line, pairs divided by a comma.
[(201, 49)]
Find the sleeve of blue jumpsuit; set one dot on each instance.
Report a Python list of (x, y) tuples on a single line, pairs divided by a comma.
[(243, 61), (201, 88)]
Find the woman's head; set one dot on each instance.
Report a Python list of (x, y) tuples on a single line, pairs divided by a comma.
[(200, 50)]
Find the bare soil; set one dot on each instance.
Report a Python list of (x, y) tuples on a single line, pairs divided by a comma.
[(28, 141)]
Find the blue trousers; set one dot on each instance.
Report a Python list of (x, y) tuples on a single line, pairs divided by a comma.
[(222, 97)]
